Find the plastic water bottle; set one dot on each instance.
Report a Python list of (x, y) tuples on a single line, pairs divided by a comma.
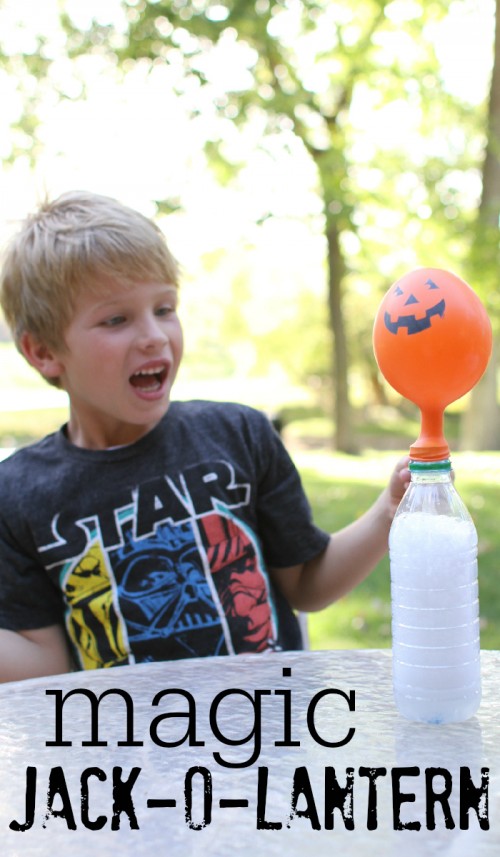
[(435, 606)]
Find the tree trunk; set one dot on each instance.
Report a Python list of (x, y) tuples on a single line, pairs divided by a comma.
[(344, 440), (480, 424), (480, 427)]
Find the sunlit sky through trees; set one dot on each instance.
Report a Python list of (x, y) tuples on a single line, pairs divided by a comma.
[(131, 137)]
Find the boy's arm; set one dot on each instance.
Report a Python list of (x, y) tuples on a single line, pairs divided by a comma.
[(351, 554), (29, 654)]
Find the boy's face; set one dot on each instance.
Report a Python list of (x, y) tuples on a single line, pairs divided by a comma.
[(122, 351)]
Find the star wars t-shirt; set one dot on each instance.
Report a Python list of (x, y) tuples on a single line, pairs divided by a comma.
[(158, 550)]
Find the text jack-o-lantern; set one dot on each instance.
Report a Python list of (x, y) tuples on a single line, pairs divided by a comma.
[(432, 341)]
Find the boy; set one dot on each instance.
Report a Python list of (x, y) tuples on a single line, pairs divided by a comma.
[(145, 529)]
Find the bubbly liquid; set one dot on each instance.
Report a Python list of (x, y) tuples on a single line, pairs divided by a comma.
[(435, 617)]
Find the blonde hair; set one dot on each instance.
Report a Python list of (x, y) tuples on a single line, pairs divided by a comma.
[(63, 248)]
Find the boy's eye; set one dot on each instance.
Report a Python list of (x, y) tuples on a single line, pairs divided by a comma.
[(165, 310), (113, 321)]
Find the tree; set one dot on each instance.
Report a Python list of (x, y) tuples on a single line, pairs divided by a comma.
[(306, 69), (481, 425), (21, 72)]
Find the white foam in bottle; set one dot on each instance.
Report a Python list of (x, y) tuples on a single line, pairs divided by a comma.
[(435, 607)]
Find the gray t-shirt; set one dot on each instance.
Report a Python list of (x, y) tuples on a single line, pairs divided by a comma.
[(158, 550)]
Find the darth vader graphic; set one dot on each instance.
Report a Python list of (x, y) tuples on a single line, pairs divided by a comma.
[(165, 595), (192, 589)]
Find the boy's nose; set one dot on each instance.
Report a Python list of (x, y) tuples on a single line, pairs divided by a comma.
[(152, 334)]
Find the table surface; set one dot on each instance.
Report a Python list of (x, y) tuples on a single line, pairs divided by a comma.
[(184, 800)]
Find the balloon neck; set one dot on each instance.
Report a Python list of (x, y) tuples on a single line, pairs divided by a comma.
[(431, 443)]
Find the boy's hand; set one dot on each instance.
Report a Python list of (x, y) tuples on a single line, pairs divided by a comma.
[(398, 483), (351, 554)]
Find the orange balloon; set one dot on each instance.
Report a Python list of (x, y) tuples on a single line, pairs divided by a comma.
[(432, 340)]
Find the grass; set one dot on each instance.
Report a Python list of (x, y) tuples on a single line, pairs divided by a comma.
[(18, 428), (29, 407), (340, 488)]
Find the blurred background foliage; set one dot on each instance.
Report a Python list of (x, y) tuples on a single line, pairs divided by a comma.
[(394, 148), (339, 146)]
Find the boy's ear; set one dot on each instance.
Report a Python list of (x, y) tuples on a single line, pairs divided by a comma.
[(40, 356)]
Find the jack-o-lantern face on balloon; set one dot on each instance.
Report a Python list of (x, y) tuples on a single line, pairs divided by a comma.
[(432, 338), (416, 313)]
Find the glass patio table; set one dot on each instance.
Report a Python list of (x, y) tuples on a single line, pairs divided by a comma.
[(288, 753)]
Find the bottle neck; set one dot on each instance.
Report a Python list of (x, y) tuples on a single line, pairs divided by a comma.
[(430, 472)]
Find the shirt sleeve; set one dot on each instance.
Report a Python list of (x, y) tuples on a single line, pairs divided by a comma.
[(28, 598), (286, 527)]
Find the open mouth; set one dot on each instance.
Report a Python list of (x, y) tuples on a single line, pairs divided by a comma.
[(149, 380)]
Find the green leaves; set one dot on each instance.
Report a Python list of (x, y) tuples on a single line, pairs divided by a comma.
[(360, 87)]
